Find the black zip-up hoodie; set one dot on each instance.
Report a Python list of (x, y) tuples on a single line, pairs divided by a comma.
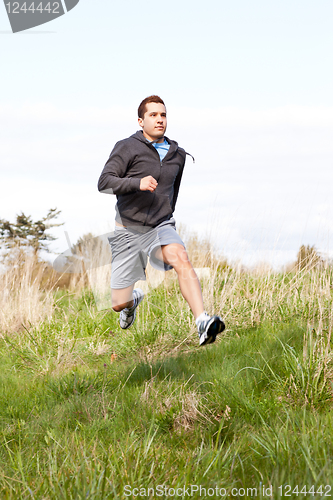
[(132, 159)]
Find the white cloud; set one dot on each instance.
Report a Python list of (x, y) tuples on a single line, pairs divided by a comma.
[(263, 178)]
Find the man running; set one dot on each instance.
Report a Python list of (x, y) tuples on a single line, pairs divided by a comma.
[(144, 171)]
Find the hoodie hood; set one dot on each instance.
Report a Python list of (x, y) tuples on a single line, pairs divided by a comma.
[(173, 144), (140, 137)]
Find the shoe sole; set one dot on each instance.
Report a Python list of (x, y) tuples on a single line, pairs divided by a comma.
[(217, 326)]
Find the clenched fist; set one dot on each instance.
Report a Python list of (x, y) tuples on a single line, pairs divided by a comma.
[(148, 184)]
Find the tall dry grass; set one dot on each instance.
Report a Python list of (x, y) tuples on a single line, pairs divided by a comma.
[(27, 287), (22, 302), (248, 297), (245, 298)]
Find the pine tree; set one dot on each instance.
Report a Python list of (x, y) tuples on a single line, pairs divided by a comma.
[(26, 233)]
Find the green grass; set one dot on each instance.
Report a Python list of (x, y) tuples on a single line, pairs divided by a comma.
[(86, 408)]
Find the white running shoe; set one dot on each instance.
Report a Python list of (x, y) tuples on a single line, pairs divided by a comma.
[(127, 315), (208, 328)]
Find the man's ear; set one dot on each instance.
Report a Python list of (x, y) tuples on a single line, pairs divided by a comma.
[(140, 121)]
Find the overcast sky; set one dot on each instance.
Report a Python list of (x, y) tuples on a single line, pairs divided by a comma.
[(248, 89)]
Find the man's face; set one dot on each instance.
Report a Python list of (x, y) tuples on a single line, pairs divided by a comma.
[(154, 121)]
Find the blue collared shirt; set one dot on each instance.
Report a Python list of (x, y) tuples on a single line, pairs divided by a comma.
[(161, 147)]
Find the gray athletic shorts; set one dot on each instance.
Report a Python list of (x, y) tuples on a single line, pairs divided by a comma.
[(131, 247)]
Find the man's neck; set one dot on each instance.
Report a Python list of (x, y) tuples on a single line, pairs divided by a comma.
[(151, 139)]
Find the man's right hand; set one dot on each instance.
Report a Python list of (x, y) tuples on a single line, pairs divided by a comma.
[(148, 184)]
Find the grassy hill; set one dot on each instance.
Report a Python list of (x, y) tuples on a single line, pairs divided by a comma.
[(89, 411)]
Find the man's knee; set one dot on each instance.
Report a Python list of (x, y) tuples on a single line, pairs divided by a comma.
[(175, 255)]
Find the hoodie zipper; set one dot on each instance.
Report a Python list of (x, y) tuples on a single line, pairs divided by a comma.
[(152, 147)]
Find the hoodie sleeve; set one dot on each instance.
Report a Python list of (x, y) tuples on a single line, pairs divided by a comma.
[(112, 179)]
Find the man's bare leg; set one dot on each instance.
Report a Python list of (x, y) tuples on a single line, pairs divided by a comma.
[(122, 298), (176, 255), (208, 326)]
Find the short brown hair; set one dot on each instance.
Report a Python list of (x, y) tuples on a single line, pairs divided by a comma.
[(142, 108)]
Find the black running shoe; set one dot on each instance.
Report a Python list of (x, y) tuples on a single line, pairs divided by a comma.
[(208, 328)]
